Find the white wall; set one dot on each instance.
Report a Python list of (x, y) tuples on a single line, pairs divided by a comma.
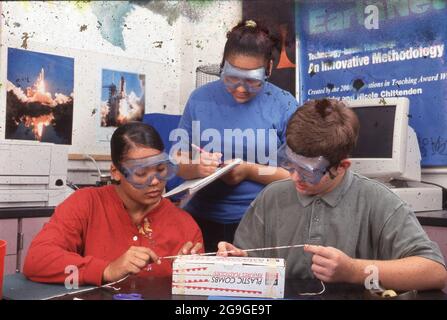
[(180, 46), (169, 40)]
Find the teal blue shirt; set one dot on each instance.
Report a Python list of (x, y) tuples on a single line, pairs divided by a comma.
[(216, 109)]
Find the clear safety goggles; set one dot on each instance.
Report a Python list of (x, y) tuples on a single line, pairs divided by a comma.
[(251, 80), (310, 170), (140, 173)]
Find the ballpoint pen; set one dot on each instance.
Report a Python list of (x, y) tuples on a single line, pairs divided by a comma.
[(201, 150)]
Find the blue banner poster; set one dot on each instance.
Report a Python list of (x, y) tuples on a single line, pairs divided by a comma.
[(379, 49)]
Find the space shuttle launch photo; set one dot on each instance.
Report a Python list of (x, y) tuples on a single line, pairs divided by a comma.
[(39, 97), (122, 98)]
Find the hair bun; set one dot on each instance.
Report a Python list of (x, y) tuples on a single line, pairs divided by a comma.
[(250, 24)]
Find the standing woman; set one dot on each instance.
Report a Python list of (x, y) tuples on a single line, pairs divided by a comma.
[(249, 115), (112, 231)]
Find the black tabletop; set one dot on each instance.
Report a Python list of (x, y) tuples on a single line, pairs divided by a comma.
[(160, 289), (26, 212), (433, 218)]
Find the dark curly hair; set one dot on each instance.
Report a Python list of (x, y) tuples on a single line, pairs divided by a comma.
[(251, 38), (131, 135)]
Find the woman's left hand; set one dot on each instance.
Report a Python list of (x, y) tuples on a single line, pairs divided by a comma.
[(190, 248), (237, 174)]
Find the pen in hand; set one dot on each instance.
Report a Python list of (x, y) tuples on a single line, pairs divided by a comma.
[(197, 148), (201, 150)]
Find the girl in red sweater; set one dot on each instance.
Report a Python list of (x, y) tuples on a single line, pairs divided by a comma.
[(112, 231)]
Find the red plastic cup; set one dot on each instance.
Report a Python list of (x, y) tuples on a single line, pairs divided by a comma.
[(2, 264)]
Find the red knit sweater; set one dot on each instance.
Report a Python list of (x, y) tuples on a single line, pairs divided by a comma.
[(91, 228)]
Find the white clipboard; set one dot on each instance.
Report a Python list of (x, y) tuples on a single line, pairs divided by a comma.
[(194, 185)]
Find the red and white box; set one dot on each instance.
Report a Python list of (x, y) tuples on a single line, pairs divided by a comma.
[(228, 276)]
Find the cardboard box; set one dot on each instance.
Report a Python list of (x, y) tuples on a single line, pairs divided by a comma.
[(228, 276)]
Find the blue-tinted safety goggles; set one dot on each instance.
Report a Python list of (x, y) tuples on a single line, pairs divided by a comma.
[(310, 170), (251, 80), (140, 173)]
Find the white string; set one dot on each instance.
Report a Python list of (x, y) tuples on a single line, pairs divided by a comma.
[(108, 285), (233, 251), (314, 293)]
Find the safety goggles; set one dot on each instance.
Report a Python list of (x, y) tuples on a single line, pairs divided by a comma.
[(140, 173), (251, 80), (310, 170)]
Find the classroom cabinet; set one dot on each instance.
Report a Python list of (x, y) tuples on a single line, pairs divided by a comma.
[(10, 264), (438, 235), (30, 228), (8, 232), (19, 234)]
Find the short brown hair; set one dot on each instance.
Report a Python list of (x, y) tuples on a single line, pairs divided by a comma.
[(324, 127)]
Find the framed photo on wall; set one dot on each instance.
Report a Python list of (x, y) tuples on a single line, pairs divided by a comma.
[(122, 100), (39, 97)]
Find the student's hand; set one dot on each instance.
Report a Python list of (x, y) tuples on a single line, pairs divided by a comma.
[(131, 262), (209, 162), (189, 248), (238, 174), (223, 249), (330, 264)]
